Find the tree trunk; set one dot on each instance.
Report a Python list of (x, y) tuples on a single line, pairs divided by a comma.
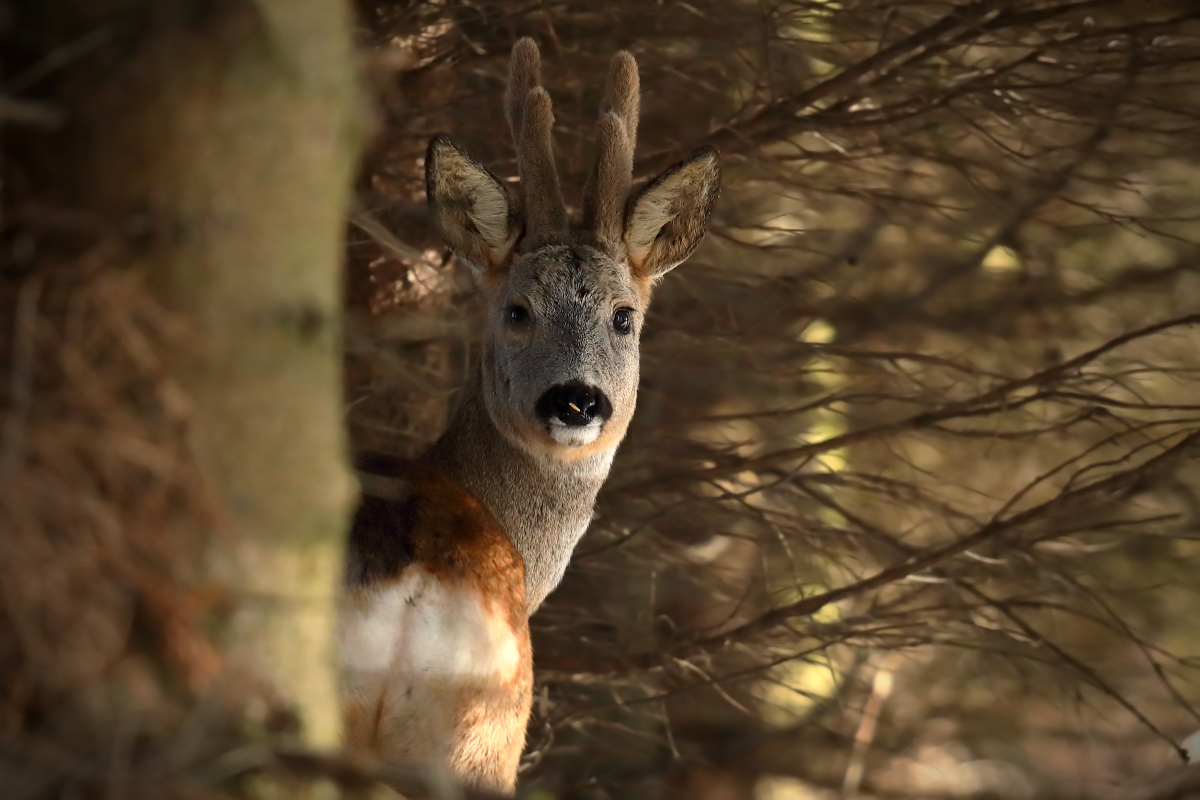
[(221, 138)]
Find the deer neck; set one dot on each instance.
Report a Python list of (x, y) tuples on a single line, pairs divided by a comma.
[(543, 504)]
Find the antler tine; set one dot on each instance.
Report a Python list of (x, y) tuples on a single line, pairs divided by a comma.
[(531, 120), (524, 74), (608, 186), (623, 93)]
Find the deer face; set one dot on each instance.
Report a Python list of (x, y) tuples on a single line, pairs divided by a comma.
[(561, 353), (565, 303)]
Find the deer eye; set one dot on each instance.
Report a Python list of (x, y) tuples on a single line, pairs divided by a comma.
[(516, 316), (623, 320)]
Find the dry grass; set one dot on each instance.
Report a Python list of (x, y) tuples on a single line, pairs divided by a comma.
[(104, 508)]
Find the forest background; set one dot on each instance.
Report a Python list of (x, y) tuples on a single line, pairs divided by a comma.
[(910, 504)]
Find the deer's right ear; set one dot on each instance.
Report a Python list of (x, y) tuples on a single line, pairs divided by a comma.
[(471, 207)]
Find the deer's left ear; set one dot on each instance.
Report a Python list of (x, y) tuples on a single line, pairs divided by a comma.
[(666, 220)]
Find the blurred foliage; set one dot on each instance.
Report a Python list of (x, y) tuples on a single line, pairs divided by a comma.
[(909, 506)]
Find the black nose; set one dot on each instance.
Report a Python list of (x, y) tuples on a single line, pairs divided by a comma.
[(574, 404)]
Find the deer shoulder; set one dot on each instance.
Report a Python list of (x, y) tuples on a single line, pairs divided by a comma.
[(434, 638)]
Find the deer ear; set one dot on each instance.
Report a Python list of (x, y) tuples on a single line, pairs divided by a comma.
[(666, 220), (470, 206)]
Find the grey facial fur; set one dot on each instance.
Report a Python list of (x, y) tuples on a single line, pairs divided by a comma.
[(551, 291), (570, 294)]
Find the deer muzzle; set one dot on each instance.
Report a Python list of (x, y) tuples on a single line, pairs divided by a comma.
[(574, 405)]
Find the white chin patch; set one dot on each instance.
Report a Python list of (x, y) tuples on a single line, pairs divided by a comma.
[(574, 435)]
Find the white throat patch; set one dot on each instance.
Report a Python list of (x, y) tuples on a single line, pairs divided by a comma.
[(574, 435)]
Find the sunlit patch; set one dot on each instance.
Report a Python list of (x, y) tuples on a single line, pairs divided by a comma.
[(1001, 259), (782, 787), (818, 331), (794, 688)]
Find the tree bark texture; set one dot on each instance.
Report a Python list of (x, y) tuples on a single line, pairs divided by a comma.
[(221, 137)]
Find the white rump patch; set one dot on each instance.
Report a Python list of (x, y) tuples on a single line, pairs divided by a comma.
[(574, 435), (419, 626)]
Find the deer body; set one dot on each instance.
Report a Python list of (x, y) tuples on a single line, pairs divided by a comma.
[(450, 554), (433, 633)]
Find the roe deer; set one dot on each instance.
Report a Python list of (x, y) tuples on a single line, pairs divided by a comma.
[(450, 554)]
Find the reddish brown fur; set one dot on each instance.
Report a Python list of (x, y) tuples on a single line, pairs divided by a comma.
[(454, 537)]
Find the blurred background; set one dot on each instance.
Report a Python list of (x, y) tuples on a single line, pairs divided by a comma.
[(908, 505), (911, 501)]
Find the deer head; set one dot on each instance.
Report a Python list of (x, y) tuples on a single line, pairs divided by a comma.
[(566, 301)]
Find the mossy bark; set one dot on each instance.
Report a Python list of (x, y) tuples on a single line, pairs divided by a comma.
[(221, 137)]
